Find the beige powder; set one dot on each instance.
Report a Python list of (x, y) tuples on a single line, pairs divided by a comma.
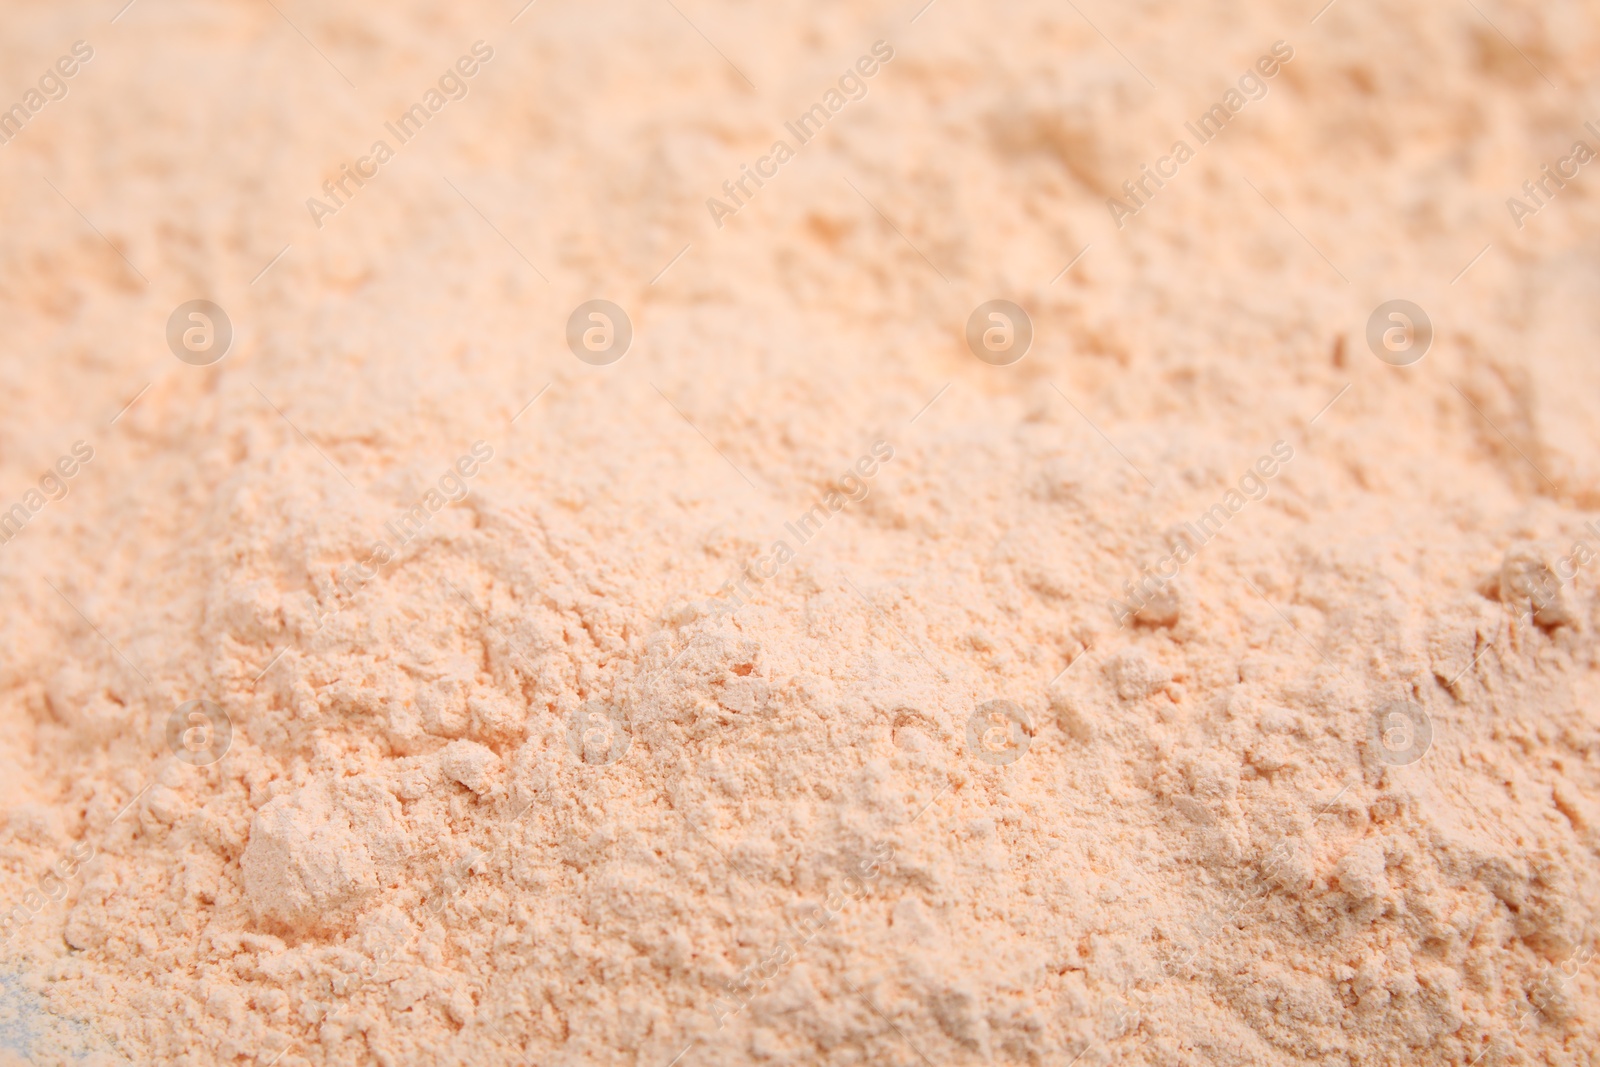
[(530, 787)]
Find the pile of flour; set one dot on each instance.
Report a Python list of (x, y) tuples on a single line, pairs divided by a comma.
[(1003, 763)]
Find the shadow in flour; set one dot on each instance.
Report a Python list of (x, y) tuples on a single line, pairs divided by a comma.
[(28, 1028)]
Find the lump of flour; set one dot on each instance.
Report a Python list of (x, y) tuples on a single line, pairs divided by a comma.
[(317, 854), (469, 764)]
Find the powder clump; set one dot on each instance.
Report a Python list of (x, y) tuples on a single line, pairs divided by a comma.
[(470, 764), (316, 855)]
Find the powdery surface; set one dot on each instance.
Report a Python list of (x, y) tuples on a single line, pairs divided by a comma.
[(1201, 858)]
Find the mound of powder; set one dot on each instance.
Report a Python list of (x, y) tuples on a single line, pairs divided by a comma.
[(317, 854), (809, 685)]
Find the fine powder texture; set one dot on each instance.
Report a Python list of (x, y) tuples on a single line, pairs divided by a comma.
[(1205, 688)]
